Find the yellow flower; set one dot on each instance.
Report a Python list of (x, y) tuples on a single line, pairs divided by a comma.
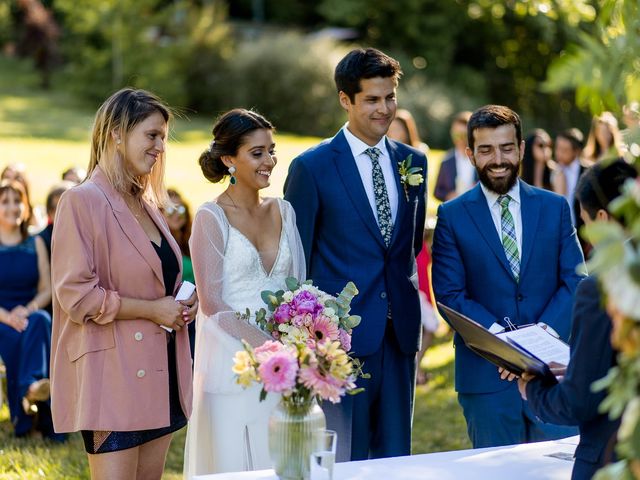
[(243, 368)]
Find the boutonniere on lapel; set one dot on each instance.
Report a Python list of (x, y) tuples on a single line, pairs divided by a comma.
[(409, 176)]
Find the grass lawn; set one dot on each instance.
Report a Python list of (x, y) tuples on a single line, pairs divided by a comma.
[(48, 132)]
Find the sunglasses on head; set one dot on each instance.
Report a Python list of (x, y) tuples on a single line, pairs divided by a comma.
[(179, 209)]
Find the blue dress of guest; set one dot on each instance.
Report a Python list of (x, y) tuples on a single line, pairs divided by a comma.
[(25, 354)]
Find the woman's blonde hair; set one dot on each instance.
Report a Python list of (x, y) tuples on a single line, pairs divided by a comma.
[(115, 118)]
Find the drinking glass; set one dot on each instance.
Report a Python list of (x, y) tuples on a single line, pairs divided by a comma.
[(323, 454)]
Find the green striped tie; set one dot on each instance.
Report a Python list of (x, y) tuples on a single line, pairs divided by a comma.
[(509, 242)]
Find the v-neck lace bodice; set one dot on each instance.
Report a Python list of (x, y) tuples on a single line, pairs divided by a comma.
[(244, 275)]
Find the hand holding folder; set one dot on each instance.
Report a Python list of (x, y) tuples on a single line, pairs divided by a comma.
[(508, 353)]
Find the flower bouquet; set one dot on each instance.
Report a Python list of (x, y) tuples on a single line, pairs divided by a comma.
[(306, 361)]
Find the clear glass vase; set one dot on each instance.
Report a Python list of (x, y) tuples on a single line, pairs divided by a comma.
[(290, 436)]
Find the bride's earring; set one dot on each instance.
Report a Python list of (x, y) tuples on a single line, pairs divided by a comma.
[(233, 179)]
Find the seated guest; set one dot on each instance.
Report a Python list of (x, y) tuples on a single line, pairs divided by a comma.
[(52, 203), (74, 174), (17, 172), (25, 329), (569, 167), (571, 402)]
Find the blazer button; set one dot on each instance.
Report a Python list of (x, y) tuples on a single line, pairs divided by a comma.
[(138, 336), (383, 295), (520, 297), (141, 373)]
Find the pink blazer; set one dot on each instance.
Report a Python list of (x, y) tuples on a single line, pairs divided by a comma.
[(106, 374)]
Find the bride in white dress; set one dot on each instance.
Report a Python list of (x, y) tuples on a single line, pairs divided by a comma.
[(241, 244)]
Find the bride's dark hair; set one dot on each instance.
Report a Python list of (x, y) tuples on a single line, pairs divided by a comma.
[(229, 132)]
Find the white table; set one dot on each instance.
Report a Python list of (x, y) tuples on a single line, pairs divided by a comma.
[(522, 462)]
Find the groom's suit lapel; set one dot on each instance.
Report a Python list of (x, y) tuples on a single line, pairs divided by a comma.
[(395, 156), (350, 176)]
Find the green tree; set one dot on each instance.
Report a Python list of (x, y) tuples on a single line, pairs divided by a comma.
[(604, 70)]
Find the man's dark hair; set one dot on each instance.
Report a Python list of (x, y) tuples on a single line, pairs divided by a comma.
[(361, 64), (574, 136), (493, 116), (601, 184)]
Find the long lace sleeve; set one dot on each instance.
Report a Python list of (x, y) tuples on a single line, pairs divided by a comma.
[(207, 243), (298, 267)]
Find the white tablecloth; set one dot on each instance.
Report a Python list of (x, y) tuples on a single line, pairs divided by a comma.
[(530, 461)]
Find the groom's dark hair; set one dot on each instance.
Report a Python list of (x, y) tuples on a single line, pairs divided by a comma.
[(364, 63)]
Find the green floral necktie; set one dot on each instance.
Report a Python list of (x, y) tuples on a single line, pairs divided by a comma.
[(509, 242), (383, 207)]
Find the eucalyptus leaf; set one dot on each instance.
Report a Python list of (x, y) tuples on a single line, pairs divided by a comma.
[(292, 283)]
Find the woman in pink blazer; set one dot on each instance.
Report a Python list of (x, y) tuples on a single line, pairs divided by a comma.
[(116, 375)]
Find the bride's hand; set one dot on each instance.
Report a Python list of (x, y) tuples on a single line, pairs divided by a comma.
[(189, 314)]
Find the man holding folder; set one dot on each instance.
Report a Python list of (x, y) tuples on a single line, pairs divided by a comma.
[(503, 253)]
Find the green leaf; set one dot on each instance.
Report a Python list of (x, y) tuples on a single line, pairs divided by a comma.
[(263, 395), (350, 322), (292, 283)]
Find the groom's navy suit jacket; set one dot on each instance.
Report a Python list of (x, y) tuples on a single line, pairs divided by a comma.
[(471, 274), (342, 241)]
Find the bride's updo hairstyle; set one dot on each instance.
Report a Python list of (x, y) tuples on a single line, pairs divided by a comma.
[(229, 134)]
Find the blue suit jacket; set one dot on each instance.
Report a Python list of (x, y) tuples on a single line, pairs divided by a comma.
[(342, 241), (471, 273), (446, 181), (572, 402)]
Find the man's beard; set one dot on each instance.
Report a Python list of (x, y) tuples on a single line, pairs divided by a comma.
[(500, 185)]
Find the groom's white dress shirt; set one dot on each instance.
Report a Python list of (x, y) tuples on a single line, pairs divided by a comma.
[(365, 168)]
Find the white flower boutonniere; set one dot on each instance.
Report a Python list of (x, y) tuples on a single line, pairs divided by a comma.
[(409, 176)]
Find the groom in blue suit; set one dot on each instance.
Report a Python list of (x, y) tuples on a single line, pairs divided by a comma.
[(360, 221), (503, 253)]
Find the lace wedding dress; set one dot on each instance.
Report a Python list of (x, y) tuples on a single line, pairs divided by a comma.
[(228, 427)]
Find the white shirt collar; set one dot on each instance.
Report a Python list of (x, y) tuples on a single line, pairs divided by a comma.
[(492, 197), (358, 146)]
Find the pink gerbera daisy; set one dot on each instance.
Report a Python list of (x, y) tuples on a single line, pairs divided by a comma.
[(329, 388), (278, 372), (266, 349), (323, 328)]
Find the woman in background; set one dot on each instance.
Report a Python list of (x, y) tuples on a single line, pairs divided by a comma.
[(25, 329), (605, 139), (121, 366), (403, 129), (536, 162)]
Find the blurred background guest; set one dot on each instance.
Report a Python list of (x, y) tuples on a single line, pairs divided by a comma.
[(403, 128), (457, 174), (568, 156), (537, 162), (74, 174), (18, 172), (178, 216), (25, 329), (52, 204), (604, 140)]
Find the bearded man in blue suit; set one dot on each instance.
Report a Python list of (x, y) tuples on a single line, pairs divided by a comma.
[(360, 220), (503, 253)]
